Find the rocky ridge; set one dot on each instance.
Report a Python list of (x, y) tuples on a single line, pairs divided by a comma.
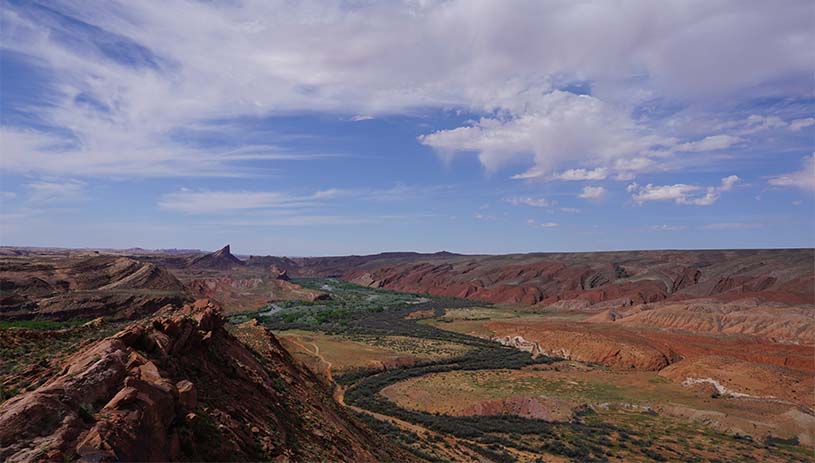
[(178, 386), (85, 287)]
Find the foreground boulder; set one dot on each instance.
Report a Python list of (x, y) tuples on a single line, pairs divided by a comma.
[(179, 386)]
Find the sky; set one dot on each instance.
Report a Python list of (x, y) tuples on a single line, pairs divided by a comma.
[(351, 127)]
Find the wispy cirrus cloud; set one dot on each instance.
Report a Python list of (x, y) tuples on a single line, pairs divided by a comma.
[(711, 143), (668, 227), (799, 124), (534, 223), (217, 202), (56, 192), (803, 179), (205, 202)]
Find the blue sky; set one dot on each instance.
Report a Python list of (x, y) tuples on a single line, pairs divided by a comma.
[(316, 128)]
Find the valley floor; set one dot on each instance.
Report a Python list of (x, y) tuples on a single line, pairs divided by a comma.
[(432, 373)]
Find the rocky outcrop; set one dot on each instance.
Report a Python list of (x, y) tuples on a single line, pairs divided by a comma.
[(249, 290), (179, 386), (221, 259)]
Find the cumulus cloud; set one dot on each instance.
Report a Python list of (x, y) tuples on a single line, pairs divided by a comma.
[(582, 174), (803, 179), (557, 128), (681, 193), (592, 192), (140, 75)]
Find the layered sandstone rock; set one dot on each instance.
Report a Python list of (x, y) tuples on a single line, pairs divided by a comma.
[(747, 317), (86, 287), (617, 279)]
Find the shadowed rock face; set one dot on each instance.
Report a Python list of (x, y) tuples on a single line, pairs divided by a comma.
[(179, 386), (87, 287), (220, 260)]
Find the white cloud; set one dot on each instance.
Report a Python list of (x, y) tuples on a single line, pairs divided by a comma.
[(712, 143), (201, 202), (803, 179), (529, 201), (556, 128), (193, 63), (360, 118), (799, 124), (207, 202), (480, 216), (582, 174), (681, 193), (51, 192), (7, 195), (569, 210), (103, 151), (534, 223), (668, 227), (592, 192), (728, 182), (757, 123)]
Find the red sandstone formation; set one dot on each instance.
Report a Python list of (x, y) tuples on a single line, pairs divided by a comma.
[(221, 259), (617, 278), (179, 386)]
